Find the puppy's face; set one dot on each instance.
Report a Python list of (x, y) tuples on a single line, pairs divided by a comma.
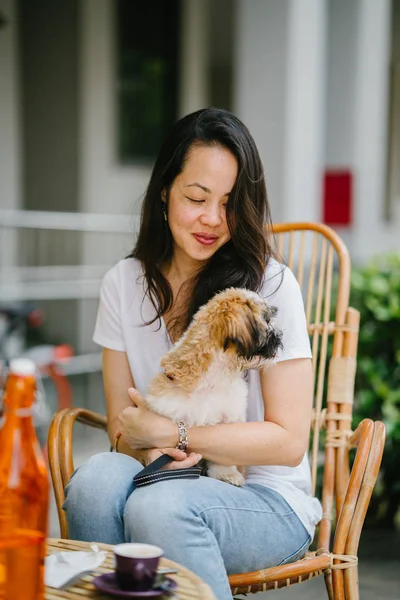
[(243, 323)]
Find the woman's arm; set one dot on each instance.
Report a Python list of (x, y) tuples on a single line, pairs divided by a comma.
[(117, 378), (282, 439)]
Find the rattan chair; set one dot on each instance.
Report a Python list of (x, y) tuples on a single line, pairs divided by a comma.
[(316, 254)]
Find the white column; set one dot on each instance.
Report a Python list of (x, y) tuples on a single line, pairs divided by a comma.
[(341, 70), (371, 234), (279, 93), (194, 87), (259, 85), (305, 110)]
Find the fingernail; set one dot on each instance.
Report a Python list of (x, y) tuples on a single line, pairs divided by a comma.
[(132, 390)]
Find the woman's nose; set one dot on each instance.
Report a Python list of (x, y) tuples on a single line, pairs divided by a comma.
[(211, 215)]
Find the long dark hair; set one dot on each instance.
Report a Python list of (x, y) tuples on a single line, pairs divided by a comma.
[(240, 262)]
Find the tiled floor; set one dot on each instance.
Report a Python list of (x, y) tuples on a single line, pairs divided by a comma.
[(379, 567)]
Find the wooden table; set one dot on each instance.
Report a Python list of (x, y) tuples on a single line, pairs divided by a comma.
[(190, 586)]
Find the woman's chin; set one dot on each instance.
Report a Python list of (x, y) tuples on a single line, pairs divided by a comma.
[(201, 254), (196, 253)]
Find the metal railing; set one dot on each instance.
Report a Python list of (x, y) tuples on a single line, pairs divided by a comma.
[(49, 256), (56, 255)]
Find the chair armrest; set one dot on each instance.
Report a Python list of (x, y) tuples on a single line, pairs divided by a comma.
[(59, 446), (71, 415), (87, 417), (369, 439)]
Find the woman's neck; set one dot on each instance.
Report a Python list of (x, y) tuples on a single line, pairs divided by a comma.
[(179, 271), (179, 276)]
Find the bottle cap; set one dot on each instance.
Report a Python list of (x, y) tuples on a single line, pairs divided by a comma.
[(22, 366)]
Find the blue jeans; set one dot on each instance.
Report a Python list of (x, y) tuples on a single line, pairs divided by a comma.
[(210, 527)]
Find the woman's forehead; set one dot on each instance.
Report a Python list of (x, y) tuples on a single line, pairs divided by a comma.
[(210, 168)]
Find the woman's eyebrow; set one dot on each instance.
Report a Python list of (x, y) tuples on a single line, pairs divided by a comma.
[(200, 186), (205, 189)]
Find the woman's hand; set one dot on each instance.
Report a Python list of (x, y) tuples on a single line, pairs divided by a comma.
[(181, 459), (142, 428)]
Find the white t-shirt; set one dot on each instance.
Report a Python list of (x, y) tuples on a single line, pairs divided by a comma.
[(124, 308)]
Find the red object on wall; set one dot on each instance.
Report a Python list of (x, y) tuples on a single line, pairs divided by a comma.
[(338, 188)]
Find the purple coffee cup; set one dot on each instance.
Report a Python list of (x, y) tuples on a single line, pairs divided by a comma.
[(136, 566)]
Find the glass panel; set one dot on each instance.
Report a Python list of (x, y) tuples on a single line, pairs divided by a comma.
[(221, 40), (147, 75)]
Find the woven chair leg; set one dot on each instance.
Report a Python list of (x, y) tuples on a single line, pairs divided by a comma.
[(351, 583), (338, 585), (328, 584)]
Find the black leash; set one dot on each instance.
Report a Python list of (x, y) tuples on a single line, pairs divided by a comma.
[(153, 473)]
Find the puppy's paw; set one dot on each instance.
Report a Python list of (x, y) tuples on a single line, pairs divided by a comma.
[(228, 474)]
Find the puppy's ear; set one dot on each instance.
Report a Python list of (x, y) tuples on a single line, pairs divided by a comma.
[(187, 363), (238, 329)]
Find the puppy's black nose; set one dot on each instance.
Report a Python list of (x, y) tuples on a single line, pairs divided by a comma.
[(273, 342), (276, 339), (269, 313)]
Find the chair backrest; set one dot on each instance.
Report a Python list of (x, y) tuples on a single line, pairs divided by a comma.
[(321, 263)]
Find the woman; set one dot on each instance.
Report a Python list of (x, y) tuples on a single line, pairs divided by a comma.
[(202, 230)]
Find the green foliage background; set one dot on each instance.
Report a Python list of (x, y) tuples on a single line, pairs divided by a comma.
[(375, 292)]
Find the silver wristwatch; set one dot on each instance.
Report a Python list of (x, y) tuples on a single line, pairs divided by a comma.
[(183, 438)]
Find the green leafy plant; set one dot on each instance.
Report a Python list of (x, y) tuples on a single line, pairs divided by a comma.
[(375, 293)]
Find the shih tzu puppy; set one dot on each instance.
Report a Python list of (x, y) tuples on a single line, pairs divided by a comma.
[(202, 381)]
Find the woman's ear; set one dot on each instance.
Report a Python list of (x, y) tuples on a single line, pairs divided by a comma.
[(164, 195)]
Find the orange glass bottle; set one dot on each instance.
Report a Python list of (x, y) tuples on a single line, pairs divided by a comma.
[(24, 490)]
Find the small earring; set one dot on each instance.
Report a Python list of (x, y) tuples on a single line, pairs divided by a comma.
[(164, 212)]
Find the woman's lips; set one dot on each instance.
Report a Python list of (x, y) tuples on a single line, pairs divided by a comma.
[(205, 239)]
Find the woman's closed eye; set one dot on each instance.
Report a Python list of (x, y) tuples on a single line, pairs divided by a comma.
[(194, 200)]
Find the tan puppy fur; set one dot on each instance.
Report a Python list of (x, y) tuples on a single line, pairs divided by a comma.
[(202, 380)]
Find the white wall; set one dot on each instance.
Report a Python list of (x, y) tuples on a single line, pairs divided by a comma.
[(106, 185), (314, 101), (357, 119)]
